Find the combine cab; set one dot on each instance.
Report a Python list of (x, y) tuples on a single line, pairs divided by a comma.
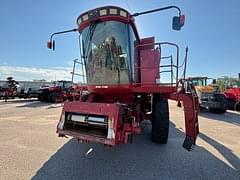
[(209, 95), (123, 81)]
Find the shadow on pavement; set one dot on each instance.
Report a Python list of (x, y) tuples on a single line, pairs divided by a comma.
[(34, 104), (140, 160), (226, 153), (229, 117)]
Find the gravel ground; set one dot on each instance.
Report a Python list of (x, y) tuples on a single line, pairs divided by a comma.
[(30, 149)]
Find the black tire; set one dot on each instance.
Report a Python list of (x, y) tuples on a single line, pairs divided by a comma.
[(223, 104), (237, 107), (160, 119), (231, 104), (40, 97), (49, 99), (217, 110), (84, 97), (54, 97), (43, 97)]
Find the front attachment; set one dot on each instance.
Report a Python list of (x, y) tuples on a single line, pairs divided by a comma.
[(106, 123)]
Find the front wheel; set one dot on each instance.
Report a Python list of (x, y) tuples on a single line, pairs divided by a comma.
[(160, 119), (223, 104)]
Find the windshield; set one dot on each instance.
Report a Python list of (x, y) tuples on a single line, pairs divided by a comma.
[(106, 52), (64, 84), (199, 82)]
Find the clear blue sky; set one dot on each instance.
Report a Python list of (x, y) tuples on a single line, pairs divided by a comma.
[(212, 33)]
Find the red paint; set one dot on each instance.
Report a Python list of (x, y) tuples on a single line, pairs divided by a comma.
[(149, 65), (113, 111), (120, 102), (127, 20), (233, 93)]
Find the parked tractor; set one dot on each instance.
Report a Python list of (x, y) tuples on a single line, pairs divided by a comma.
[(209, 95), (233, 98), (57, 93), (123, 81)]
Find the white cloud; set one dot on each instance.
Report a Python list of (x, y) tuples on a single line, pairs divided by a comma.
[(32, 73)]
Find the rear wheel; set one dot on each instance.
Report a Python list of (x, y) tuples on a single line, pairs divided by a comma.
[(43, 97), (233, 104), (237, 106), (49, 99), (54, 97), (160, 119)]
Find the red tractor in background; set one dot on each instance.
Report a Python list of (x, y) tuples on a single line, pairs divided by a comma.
[(123, 81), (233, 98), (61, 91)]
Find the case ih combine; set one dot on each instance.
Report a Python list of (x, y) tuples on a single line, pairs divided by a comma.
[(123, 80)]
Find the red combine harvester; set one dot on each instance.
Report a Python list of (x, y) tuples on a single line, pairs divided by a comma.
[(123, 81), (233, 98)]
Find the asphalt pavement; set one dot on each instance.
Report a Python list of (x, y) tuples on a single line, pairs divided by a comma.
[(30, 149)]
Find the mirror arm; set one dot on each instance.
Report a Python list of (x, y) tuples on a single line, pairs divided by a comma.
[(61, 32), (159, 9)]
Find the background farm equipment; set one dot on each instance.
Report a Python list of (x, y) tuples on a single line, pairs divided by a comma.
[(123, 80), (60, 92), (233, 98), (28, 92), (209, 95), (9, 89)]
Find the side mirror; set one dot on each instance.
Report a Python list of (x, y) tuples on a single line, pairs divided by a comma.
[(51, 45), (178, 22)]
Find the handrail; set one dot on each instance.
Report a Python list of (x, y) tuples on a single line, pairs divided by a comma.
[(78, 74), (172, 65)]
